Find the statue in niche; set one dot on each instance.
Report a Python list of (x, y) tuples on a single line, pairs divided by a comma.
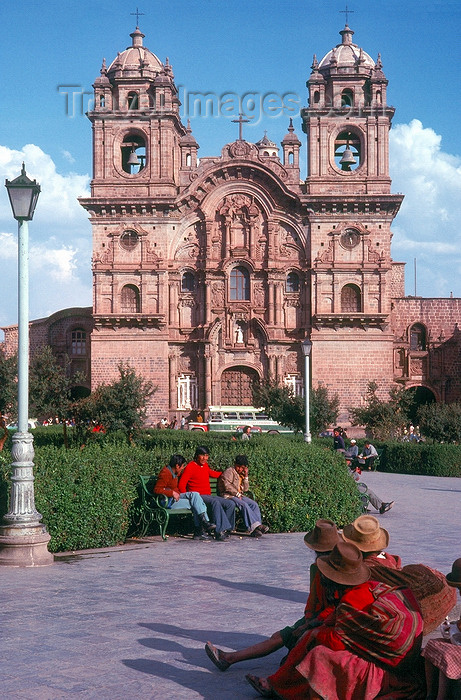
[(239, 337), (238, 213)]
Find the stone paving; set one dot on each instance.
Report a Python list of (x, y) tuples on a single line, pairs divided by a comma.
[(131, 622)]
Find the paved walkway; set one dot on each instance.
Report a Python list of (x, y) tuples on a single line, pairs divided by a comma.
[(131, 622)]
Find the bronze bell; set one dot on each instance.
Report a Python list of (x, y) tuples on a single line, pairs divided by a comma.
[(348, 159), (133, 158)]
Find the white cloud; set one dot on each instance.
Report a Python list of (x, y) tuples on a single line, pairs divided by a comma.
[(427, 227), (59, 238), (68, 156)]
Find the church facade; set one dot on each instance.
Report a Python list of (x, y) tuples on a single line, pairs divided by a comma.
[(208, 274)]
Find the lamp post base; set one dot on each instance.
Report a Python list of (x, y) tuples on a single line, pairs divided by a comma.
[(25, 546), (307, 437)]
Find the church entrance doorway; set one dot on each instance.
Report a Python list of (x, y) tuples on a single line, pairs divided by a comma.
[(236, 385)]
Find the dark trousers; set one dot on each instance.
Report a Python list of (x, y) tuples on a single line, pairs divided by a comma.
[(221, 512)]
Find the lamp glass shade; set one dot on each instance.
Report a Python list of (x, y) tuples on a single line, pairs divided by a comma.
[(23, 193), (307, 347)]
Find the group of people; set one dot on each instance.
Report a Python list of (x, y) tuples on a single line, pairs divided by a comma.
[(364, 460), (361, 632), (188, 485), (173, 424)]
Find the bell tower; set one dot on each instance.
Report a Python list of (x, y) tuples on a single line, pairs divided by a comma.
[(136, 126), (348, 190), (142, 153)]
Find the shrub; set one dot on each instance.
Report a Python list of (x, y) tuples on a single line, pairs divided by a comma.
[(421, 458), (86, 496)]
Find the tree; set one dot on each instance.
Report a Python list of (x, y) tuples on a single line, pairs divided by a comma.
[(287, 409), (440, 422), (383, 419), (50, 386), (117, 406), (323, 410), (8, 392), (8, 384)]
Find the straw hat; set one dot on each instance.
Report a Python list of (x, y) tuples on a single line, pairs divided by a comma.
[(365, 532), (323, 537), (344, 565), (454, 577)]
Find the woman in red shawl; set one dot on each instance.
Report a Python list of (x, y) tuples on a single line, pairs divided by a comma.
[(365, 649)]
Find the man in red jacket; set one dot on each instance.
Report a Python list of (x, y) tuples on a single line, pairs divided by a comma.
[(196, 477), (167, 485)]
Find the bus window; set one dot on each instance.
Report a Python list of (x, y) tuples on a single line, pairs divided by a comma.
[(231, 416), (247, 416)]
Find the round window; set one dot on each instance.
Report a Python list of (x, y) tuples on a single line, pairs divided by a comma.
[(129, 240)]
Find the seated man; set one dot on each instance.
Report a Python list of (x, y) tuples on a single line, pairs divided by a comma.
[(352, 452), (196, 477), (338, 441), (167, 485), (232, 484), (368, 455), (373, 498)]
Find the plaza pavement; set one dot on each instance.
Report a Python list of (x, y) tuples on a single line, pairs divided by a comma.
[(131, 622)]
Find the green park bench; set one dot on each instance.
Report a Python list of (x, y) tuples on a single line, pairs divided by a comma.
[(153, 507)]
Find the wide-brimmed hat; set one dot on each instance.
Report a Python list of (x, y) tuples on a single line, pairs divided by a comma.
[(353, 441), (454, 577), (367, 534), (323, 537), (344, 565)]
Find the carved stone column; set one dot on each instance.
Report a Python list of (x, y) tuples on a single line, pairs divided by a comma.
[(208, 397), (271, 304)]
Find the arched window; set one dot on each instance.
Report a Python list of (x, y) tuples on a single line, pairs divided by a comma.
[(239, 284), (133, 100), (102, 101), (417, 337), (133, 152), (188, 160), (78, 342), (292, 283), (347, 98), (351, 299), (130, 299), (347, 151), (316, 97), (187, 282)]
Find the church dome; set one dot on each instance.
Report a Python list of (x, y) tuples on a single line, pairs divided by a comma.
[(346, 55), (136, 61)]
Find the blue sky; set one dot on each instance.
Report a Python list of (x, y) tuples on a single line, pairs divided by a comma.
[(247, 46)]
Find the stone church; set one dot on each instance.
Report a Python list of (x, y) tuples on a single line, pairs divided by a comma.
[(208, 274)]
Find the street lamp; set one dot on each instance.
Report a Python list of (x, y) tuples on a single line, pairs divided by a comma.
[(23, 538), (306, 346)]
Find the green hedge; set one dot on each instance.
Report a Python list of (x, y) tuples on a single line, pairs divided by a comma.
[(421, 458), (86, 496)]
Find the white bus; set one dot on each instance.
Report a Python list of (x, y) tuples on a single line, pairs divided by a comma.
[(232, 419)]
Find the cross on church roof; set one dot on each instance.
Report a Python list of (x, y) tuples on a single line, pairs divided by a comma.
[(137, 13), (347, 12), (241, 121)]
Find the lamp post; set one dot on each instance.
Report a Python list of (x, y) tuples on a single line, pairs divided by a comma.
[(306, 346), (23, 539)]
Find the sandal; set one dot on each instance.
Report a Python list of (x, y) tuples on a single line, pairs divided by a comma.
[(213, 655), (255, 682)]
